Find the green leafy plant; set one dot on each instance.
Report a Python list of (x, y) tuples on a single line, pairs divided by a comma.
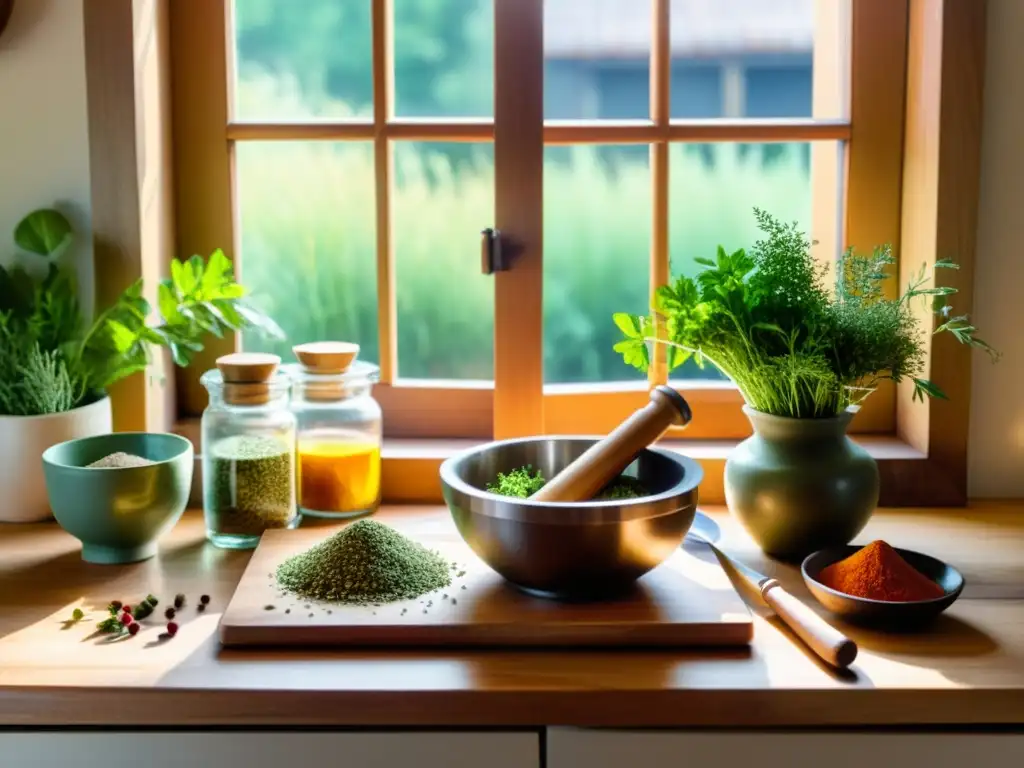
[(792, 347), (51, 361)]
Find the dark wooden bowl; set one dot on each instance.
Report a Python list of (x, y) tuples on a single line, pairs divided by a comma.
[(878, 613)]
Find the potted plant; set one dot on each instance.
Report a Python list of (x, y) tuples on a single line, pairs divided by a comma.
[(55, 367), (804, 358)]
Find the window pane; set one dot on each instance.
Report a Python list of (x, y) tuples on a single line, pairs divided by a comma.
[(596, 59), (444, 197), (444, 58), (597, 237), (757, 59), (713, 191), (294, 64), (308, 240)]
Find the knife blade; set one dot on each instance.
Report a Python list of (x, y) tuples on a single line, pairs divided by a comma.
[(826, 641)]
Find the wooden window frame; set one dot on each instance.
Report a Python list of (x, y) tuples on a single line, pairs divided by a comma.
[(911, 164)]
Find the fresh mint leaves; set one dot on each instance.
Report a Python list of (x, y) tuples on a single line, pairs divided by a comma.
[(51, 362)]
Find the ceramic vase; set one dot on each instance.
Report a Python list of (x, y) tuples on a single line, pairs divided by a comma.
[(800, 485), (22, 442)]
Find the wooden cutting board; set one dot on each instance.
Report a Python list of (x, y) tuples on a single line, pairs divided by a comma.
[(688, 601)]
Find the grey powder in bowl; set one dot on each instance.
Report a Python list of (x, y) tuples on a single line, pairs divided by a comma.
[(120, 460)]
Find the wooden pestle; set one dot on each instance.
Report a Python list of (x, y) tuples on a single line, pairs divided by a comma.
[(606, 459)]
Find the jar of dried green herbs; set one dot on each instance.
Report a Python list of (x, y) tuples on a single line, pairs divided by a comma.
[(248, 434)]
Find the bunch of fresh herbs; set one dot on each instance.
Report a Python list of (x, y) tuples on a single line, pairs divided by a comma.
[(52, 361), (767, 320)]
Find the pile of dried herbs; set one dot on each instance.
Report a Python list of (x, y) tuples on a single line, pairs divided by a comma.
[(523, 482), (366, 562)]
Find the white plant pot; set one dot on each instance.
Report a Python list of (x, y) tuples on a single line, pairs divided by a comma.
[(22, 442)]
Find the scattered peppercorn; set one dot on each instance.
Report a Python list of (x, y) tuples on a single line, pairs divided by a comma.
[(77, 615), (169, 613), (126, 618), (201, 607), (172, 628), (127, 609), (115, 605), (287, 610), (133, 629), (204, 599), (268, 607), (179, 600)]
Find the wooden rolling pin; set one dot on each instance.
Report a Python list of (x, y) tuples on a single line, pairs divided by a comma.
[(606, 459)]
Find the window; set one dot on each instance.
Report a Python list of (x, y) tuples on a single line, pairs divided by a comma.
[(354, 151)]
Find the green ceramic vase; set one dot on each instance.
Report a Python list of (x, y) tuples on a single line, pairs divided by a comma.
[(800, 485)]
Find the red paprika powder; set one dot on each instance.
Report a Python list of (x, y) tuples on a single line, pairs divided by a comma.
[(877, 572)]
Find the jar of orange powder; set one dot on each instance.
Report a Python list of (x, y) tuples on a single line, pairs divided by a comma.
[(339, 430)]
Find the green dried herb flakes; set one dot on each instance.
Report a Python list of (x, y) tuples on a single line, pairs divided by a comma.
[(250, 487), (523, 482), (366, 562)]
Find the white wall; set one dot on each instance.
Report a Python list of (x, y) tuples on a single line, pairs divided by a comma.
[(44, 140), (997, 396)]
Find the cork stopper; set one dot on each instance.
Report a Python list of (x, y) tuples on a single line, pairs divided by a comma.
[(247, 376), (326, 357), (327, 361)]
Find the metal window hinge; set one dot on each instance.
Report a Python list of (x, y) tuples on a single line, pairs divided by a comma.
[(491, 257)]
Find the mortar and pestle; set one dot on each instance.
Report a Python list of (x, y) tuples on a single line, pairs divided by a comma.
[(560, 543)]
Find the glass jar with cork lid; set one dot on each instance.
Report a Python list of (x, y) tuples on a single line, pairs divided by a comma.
[(339, 434), (248, 434)]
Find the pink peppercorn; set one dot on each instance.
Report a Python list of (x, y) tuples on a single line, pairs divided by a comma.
[(172, 628), (133, 629)]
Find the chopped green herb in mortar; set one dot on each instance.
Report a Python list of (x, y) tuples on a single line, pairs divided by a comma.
[(519, 482), (366, 562), (625, 487), (523, 483)]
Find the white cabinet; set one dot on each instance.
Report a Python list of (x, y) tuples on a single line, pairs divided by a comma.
[(575, 748), (270, 750)]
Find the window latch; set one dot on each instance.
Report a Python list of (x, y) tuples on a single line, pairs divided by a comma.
[(491, 257)]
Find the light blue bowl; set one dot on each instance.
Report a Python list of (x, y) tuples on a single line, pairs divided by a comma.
[(119, 513)]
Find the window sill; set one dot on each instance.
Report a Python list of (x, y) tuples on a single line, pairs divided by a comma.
[(409, 472)]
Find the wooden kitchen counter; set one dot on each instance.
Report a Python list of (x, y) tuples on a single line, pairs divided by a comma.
[(968, 669)]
